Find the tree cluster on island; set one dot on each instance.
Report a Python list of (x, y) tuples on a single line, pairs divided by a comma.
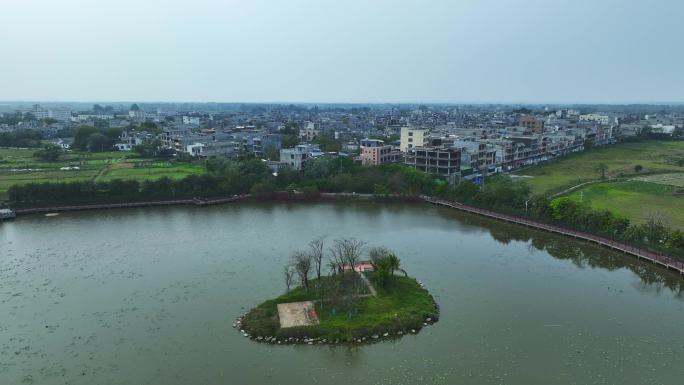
[(344, 255), (343, 284)]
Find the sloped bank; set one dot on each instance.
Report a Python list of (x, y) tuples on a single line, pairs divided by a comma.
[(278, 197), (403, 306)]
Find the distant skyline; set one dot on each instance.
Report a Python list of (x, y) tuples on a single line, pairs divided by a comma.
[(352, 51)]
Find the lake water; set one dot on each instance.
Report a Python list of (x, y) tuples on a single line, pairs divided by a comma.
[(148, 296)]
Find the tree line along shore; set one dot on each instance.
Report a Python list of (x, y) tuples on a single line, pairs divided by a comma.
[(227, 178), (530, 193)]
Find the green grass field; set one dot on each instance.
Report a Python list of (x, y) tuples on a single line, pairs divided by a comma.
[(639, 196), (18, 166), (149, 170), (636, 200), (653, 156), (670, 179)]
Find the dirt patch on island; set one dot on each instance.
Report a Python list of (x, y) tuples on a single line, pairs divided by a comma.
[(297, 314)]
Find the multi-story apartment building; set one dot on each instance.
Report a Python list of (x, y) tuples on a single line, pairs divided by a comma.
[(531, 123), (297, 156), (375, 152), (224, 148), (38, 112), (599, 118), (60, 115), (473, 153), (258, 142), (438, 161), (413, 137), (310, 131), (263, 143), (128, 140), (171, 138), (191, 120), (137, 115), (85, 117)]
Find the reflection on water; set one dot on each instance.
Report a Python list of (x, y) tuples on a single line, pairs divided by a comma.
[(583, 254), (149, 295)]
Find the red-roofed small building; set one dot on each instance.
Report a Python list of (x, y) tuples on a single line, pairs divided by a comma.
[(360, 267)]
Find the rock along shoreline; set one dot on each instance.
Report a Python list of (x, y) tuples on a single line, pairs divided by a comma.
[(367, 339)]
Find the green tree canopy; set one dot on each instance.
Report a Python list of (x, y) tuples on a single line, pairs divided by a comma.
[(49, 153)]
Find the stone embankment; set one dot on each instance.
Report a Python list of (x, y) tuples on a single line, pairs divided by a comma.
[(101, 206)]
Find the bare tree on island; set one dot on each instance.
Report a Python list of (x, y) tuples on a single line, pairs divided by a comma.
[(337, 256), (346, 251), (338, 290), (332, 267), (316, 251), (289, 276), (353, 250), (302, 265)]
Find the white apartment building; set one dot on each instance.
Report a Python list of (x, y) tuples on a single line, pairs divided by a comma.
[(309, 131), (297, 156), (413, 137), (137, 115), (84, 117), (600, 118), (60, 115), (192, 120), (39, 112)]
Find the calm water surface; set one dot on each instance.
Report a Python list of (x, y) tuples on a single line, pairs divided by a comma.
[(148, 296)]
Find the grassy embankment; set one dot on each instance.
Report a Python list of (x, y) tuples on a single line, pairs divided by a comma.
[(636, 200), (19, 166), (400, 306), (656, 191)]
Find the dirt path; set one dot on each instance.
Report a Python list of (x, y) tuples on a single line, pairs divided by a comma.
[(575, 187), (107, 167), (368, 284)]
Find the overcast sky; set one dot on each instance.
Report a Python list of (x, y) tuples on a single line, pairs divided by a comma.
[(342, 50)]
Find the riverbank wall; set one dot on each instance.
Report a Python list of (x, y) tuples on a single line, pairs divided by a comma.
[(103, 206), (283, 197)]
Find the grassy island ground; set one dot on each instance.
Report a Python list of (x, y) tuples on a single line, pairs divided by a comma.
[(401, 305)]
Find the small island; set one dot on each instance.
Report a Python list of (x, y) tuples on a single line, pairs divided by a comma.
[(354, 301)]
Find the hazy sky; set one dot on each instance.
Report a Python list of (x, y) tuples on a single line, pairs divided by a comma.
[(342, 50)]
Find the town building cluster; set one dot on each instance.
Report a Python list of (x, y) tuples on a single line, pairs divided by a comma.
[(452, 142)]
